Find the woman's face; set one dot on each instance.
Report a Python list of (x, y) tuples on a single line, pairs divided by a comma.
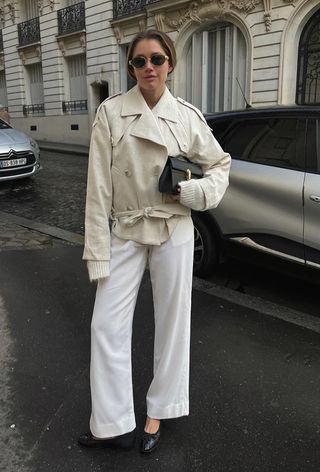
[(151, 78)]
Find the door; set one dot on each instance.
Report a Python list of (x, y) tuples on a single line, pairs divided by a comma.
[(263, 206), (312, 196)]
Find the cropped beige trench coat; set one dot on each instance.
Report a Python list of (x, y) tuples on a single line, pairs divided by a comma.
[(129, 147)]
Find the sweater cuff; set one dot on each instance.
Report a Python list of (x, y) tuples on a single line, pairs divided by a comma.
[(98, 269), (191, 194)]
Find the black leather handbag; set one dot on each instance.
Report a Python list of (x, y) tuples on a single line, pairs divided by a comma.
[(178, 168)]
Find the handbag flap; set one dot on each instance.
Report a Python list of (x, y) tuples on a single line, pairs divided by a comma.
[(180, 163)]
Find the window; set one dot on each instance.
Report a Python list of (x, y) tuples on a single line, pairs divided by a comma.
[(278, 142), (308, 77), (34, 90), (313, 155), (3, 89), (31, 9), (36, 83), (77, 77), (29, 30), (216, 69), (77, 84), (126, 81)]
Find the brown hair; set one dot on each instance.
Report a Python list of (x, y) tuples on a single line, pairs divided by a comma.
[(164, 40)]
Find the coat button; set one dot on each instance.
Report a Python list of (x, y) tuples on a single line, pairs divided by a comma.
[(127, 173), (129, 208)]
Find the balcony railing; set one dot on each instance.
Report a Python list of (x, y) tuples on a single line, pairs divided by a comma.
[(1, 41), (129, 7), (35, 109), (71, 19), (29, 32), (75, 106)]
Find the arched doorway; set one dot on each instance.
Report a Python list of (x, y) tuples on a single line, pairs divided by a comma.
[(308, 75)]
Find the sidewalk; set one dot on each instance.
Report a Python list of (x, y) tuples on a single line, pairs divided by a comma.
[(17, 232), (65, 148), (254, 387)]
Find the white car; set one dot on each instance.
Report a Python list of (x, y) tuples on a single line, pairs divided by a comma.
[(19, 154), (272, 204)]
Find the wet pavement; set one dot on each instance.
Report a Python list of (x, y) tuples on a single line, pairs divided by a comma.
[(254, 387), (56, 196), (255, 378), (34, 210), (16, 236)]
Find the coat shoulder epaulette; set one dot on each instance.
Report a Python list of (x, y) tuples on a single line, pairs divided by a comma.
[(195, 109)]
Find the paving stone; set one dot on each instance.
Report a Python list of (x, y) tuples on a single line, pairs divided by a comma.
[(55, 197)]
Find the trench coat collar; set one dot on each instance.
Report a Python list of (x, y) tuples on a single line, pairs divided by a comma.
[(135, 104), (146, 126)]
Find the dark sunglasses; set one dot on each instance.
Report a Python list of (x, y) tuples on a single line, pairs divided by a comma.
[(139, 62)]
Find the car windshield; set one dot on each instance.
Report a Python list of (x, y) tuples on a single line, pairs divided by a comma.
[(4, 125)]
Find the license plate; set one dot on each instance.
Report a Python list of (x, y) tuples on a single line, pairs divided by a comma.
[(13, 162)]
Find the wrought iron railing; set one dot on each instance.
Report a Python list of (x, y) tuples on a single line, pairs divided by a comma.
[(29, 32), (72, 19), (75, 105), (35, 109), (1, 41), (129, 7)]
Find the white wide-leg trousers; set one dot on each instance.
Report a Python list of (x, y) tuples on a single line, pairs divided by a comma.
[(170, 266)]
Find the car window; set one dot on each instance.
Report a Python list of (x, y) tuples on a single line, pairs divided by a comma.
[(220, 128), (312, 156), (277, 142)]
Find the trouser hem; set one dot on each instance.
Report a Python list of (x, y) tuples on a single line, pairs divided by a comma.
[(172, 411), (112, 429)]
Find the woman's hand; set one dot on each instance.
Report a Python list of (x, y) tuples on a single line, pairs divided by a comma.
[(176, 196)]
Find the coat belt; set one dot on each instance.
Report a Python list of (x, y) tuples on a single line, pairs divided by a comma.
[(131, 217)]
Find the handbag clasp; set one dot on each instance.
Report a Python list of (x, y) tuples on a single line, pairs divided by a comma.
[(188, 174)]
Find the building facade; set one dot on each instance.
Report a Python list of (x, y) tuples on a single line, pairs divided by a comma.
[(60, 58)]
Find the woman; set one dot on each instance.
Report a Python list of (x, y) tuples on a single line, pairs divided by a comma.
[(132, 136)]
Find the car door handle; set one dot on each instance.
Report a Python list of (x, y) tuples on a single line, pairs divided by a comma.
[(315, 198)]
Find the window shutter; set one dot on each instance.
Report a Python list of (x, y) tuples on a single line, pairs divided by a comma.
[(36, 83), (3, 89), (77, 76), (32, 9)]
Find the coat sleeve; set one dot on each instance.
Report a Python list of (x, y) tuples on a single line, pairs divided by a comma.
[(207, 192), (99, 199)]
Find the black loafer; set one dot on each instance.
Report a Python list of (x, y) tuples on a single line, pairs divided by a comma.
[(149, 441), (125, 441)]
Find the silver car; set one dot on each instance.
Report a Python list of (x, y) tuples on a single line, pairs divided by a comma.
[(19, 154), (272, 204)]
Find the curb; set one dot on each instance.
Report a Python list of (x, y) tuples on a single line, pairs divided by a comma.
[(64, 148), (48, 230)]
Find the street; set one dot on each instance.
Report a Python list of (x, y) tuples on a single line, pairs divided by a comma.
[(56, 197), (255, 353)]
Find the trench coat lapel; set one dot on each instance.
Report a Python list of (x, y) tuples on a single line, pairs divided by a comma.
[(146, 126), (167, 109)]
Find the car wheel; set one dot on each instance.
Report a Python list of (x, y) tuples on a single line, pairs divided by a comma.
[(206, 248)]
